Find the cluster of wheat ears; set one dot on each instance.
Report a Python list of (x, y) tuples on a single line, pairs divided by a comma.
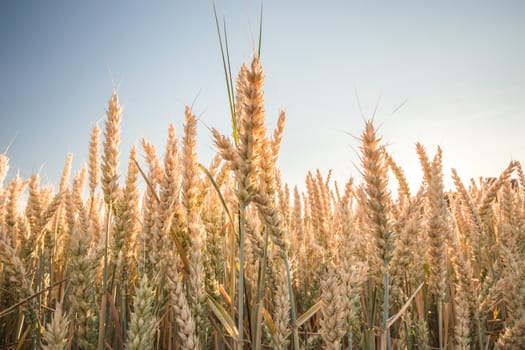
[(229, 257)]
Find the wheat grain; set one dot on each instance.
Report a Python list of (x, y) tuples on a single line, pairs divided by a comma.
[(56, 334), (143, 323)]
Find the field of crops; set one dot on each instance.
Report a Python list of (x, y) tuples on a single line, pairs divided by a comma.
[(178, 255)]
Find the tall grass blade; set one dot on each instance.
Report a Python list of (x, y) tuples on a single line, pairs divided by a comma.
[(227, 76), (308, 314), (260, 33), (217, 189), (223, 316)]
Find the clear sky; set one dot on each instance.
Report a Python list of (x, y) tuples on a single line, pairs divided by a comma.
[(456, 68)]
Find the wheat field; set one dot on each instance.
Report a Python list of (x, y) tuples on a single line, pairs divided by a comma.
[(177, 255)]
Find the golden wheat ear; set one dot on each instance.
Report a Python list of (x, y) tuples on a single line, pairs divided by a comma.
[(56, 333)]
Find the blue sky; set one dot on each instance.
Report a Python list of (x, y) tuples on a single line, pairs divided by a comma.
[(454, 67)]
